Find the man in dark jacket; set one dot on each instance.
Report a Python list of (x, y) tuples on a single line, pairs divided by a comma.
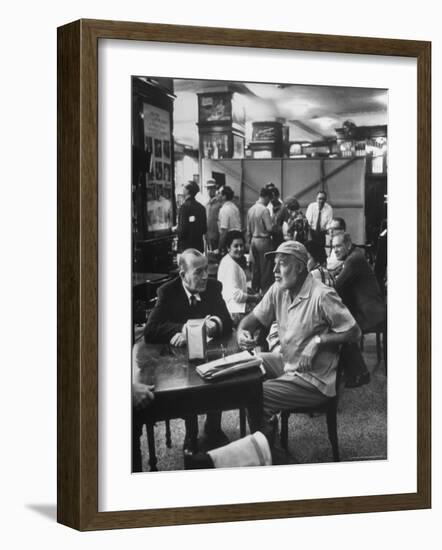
[(357, 285), (192, 295), (192, 220)]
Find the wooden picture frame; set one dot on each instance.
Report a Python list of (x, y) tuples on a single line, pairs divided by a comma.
[(77, 460)]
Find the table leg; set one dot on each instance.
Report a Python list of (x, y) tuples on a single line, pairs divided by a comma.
[(255, 418), (191, 441), (137, 430), (255, 411), (151, 446)]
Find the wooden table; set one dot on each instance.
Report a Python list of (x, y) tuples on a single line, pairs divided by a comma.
[(181, 392)]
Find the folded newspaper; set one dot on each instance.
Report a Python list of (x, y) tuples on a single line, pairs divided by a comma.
[(230, 365)]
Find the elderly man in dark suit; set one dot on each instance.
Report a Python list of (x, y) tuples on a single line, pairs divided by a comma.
[(192, 295), (357, 285)]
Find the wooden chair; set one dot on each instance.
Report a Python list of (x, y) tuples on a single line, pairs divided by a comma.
[(381, 342), (329, 407)]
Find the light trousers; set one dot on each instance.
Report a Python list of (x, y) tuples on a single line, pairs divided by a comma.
[(283, 391)]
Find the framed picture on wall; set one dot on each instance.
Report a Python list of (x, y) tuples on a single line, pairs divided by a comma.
[(99, 399), (158, 149)]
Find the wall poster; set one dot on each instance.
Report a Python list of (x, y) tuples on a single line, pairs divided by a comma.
[(158, 179)]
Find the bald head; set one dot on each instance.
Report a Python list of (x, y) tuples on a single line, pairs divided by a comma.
[(187, 257)]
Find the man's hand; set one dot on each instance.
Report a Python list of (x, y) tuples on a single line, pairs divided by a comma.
[(336, 272), (245, 339), (307, 356), (178, 340), (211, 327), (142, 395)]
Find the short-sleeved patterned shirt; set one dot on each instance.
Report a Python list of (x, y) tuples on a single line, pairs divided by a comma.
[(315, 310)]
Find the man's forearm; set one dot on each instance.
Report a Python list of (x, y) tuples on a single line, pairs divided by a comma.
[(249, 323), (352, 335), (158, 330)]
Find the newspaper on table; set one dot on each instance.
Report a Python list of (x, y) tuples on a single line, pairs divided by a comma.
[(230, 365)]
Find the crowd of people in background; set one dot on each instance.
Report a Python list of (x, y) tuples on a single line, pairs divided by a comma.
[(246, 268)]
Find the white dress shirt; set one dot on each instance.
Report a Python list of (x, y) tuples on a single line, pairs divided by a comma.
[(313, 213), (189, 295)]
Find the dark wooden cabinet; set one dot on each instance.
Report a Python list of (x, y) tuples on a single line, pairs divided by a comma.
[(221, 125), (153, 180)]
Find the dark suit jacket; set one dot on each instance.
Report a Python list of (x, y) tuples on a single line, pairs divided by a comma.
[(380, 267), (192, 225), (357, 286), (172, 310)]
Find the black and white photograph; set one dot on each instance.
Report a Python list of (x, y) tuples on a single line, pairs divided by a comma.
[(260, 333)]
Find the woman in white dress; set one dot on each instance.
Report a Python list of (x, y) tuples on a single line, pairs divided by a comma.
[(231, 273)]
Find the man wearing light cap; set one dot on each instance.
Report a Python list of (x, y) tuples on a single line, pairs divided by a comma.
[(312, 323)]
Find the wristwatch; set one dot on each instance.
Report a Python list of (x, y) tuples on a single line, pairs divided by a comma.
[(318, 340)]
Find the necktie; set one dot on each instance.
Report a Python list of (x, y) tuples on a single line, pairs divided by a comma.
[(193, 300), (318, 223)]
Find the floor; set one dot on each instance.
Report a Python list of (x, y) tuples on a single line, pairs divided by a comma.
[(362, 426)]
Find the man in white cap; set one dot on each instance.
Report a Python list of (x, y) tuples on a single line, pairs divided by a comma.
[(312, 323)]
